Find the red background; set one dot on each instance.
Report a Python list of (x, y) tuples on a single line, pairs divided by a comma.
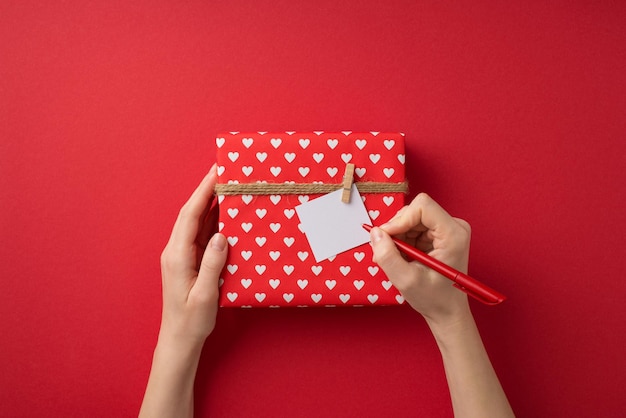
[(515, 120)]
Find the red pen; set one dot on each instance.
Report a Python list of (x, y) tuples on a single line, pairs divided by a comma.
[(461, 281)]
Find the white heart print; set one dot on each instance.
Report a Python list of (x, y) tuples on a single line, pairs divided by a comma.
[(300, 161)]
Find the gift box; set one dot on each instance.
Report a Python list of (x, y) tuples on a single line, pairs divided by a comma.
[(262, 178)]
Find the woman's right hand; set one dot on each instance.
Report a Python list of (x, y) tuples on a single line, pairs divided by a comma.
[(427, 226)]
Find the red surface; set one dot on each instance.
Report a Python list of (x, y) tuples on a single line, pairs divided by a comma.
[(515, 120)]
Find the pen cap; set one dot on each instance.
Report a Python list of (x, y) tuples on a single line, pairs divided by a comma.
[(481, 292)]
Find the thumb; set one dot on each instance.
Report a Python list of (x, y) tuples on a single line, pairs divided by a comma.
[(387, 256), (213, 262)]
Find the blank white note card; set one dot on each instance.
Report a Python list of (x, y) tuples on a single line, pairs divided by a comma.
[(331, 226)]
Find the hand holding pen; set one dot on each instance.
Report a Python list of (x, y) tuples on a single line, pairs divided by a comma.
[(462, 281), (425, 225)]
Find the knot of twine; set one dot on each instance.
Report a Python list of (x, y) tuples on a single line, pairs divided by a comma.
[(306, 188)]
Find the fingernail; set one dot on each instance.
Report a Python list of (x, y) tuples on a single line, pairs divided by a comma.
[(213, 170), (218, 242), (389, 222), (376, 235), (393, 219)]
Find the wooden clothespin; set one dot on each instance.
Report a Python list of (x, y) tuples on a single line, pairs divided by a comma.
[(348, 178)]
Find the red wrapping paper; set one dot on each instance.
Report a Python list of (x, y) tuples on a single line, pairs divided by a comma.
[(270, 262)]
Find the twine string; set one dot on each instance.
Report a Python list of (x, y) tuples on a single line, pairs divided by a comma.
[(232, 189)]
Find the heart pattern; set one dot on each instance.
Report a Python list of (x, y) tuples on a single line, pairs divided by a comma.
[(269, 259)]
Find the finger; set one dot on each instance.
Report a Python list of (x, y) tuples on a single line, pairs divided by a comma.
[(209, 225), (207, 229), (423, 213), (212, 264), (387, 256), (190, 216), (210, 206), (424, 242)]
